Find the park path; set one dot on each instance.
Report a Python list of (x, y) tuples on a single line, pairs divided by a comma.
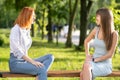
[(75, 37)]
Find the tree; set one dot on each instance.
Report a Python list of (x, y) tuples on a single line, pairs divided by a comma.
[(43, 23), (50, 37), (55, 13), (6, 13), (40, 18), (84, 12), (19, 4), (71, 21)]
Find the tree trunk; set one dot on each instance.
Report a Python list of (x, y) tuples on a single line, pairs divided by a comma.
[(32, 31), (85, 9), (38, 26), (18, 4), (50, 37), (71, 22), (43, 24)]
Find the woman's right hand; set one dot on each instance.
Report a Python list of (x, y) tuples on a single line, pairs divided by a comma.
[(37, 64), (88, 58)]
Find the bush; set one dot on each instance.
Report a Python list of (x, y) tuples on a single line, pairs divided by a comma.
[(3, 39)]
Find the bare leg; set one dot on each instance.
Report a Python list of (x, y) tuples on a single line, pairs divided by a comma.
[(87, 75), (81, 76), (36, 78)]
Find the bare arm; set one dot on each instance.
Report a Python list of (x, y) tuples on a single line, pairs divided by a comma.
[(86, 44), (36, 63), (111, 51), (87, 40)]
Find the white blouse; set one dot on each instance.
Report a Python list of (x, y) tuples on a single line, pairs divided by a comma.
[(20, 41)]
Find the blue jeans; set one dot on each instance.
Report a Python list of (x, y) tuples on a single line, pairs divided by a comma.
[(22, 66)]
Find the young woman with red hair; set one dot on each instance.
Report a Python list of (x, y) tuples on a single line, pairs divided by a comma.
[(20, 42)]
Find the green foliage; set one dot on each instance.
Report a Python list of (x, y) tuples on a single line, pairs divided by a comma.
[(19, 4), (116, 13), (117, 1), (3, 39), (8, 13), (117, 19), (9, 10)]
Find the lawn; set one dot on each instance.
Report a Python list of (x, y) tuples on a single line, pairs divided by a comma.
[(65, 58)]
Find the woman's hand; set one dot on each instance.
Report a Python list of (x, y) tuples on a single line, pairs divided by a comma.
[(37, 64), (88, 58)]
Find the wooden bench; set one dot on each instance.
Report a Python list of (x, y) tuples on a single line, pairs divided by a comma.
[(62, 73)]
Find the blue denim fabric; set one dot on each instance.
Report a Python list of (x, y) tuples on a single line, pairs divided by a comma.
[(22, 66)]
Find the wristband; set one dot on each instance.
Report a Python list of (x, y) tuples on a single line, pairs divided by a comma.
[(93, 59)]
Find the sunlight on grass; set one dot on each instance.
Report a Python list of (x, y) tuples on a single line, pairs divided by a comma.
[(65, 58)]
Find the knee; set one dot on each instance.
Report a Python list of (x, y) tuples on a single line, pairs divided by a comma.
[(86, 66), (51, 57), (42, 70)]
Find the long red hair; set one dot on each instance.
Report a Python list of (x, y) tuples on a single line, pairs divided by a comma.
[(24, 18)]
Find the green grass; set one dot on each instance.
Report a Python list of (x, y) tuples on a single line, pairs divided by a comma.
[(65, 58)]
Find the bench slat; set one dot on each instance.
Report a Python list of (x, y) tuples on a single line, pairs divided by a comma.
[(114, 74), (50, 74), (61, 73)]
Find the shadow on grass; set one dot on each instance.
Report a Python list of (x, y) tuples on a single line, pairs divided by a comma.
[(40, 44), (46, 44), (68, 59), (4, 59), (71, 51)]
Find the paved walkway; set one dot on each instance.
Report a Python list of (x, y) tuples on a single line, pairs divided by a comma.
[(75, 37)]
